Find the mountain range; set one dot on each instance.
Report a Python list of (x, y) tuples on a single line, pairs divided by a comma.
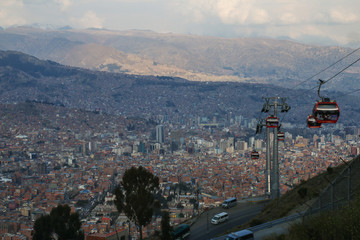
[(195, 58), (26, 78)]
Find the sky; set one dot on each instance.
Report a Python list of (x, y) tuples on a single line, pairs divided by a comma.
[(324, 22)]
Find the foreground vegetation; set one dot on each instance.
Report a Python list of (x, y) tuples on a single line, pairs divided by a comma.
[(341, 224), (301, 197), (296, 200)]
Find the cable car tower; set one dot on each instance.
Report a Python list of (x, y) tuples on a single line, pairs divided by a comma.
[(272, 123)]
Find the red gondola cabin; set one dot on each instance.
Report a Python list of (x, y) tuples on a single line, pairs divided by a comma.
[(326, 111), (312, 123), (255, 155), (272, 122), (281, 136)]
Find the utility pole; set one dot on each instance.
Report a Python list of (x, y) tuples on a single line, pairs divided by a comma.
[(272, 171)]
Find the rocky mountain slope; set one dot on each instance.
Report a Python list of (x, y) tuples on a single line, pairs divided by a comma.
[(197, 58), (24, 77)]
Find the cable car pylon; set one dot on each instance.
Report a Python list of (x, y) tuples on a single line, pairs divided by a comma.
[(262, 123), (272, 123)]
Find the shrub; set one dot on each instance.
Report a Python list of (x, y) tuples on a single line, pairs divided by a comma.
[(302, 192), (255, 222)]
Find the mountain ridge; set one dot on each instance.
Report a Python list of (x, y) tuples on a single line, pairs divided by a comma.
[(24, 77), (196, 58)]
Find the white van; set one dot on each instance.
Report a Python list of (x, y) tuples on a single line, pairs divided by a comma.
[(228, 203), (219, 218)]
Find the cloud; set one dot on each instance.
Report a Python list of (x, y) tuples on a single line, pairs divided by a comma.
[(90, 20), (344, 16), (281, 12), (323, 19), (241, 12), (11, 12), (227, 11), (64, 4), (297, 19)]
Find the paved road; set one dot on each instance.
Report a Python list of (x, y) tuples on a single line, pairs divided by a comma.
[(202, 229)]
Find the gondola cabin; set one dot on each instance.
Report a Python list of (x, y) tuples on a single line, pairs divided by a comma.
[(312, 123), (326, 111), (272, 122), (281, 136), (255, 155)]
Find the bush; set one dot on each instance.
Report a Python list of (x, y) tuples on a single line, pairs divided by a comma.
[(302, 192), (255, 222), (340, 224)]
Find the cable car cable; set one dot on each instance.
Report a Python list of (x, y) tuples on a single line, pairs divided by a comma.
[(341, 71), (326, 68), (338, 73), (322, 82), (349, 54)]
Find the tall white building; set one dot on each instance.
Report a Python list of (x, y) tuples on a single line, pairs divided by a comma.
[(160, 135)]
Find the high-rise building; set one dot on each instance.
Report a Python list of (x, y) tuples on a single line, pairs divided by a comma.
[(160, 134), (42, 168), (258, 144), (242, 145), (141, 147), (251, 141)]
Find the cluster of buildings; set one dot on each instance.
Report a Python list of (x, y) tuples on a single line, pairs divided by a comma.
[(52, 155)]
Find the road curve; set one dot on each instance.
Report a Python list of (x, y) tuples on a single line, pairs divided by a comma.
[(202, 229)]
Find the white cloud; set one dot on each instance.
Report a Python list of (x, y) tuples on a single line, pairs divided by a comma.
[(288, 18), (64, 4), (90, 20), (241, 12), (343, 16), (274, 12), (11, 12), (298, 19), (259, 16), (230, 11)]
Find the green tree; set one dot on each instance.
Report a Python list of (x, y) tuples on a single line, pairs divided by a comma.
[(62, 222), (136, 196), (166, 228), (42, 228)]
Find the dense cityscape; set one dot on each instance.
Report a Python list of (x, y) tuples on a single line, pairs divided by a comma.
[(179, 120), (51, 155)]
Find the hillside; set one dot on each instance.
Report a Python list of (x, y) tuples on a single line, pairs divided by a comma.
[(24, 77), (314, 195), (197, 58)]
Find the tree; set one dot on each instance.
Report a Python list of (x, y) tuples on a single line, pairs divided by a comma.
[(60, 222), (136, 196), (166, 228), (42, 228)]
